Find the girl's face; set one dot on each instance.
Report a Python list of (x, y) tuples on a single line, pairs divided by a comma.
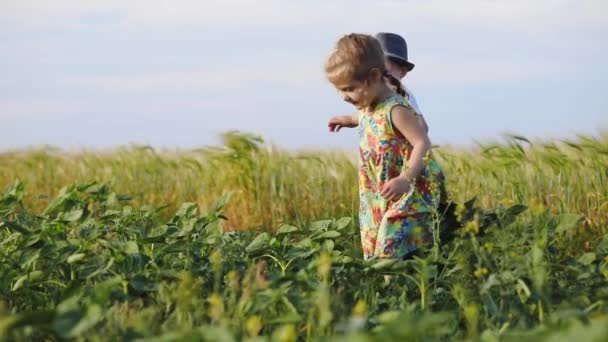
[(361, 94), (355, 93)]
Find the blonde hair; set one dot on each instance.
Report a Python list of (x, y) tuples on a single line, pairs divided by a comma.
[(353, 57)]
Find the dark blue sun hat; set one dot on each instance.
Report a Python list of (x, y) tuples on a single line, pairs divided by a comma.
[(395, 47)]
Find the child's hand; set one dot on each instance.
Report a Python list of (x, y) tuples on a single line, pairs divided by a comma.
[(395, 188), (337, 122)]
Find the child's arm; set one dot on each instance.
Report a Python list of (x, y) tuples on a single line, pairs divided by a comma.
[(406, 123), (337, 122), (398, 87), (423, 123)]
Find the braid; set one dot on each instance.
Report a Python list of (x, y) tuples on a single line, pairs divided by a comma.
[(393, 81)]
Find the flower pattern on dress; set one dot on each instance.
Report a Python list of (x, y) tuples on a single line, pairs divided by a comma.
[(393, 229)]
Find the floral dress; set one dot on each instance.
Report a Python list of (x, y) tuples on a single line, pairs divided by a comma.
[(392, 229)]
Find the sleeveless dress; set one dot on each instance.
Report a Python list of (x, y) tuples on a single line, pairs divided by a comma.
[(392, 229)]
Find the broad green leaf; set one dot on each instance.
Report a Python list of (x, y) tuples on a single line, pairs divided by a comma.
[(516, 209), (383, 264), (602, 247), (320, 225), (587, 258), (332, 234), (328, 245), (299, 253), (71, 216), (110, 213), (143, 284), (259, 243), (130, 248), (341, 259), (286, 229), (304, 243), (27, 278), (76, 257), (568, 222), (187, 209), (214, 230), (221, 202), (343, 223), (15, 227)]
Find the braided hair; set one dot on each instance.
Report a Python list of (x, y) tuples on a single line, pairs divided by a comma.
[(396, 85)]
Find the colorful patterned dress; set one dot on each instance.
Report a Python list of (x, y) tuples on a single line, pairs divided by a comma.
[(392, 229)]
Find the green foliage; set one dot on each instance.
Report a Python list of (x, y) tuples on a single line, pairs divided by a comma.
[(92, 267), (224, 244)]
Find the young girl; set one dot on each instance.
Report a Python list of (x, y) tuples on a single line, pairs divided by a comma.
[(398, 66), (399, 184)]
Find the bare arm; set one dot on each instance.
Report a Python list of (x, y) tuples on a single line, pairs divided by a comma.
[(423, 123), (406, 123), (337, 122)]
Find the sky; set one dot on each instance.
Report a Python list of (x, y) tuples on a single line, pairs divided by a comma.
[(105, 73)]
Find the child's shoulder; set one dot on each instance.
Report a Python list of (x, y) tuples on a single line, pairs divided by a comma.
[(395, 100)]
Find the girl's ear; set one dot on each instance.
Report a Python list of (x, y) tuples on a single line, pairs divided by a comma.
[(375, 75)]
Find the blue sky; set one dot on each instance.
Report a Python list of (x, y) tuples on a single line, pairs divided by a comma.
[(102, 73)]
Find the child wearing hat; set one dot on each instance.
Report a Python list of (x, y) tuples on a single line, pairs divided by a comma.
[(400, 184), (398, 66)]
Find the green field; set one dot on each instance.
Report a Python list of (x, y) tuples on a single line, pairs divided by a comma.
[(250, 241)]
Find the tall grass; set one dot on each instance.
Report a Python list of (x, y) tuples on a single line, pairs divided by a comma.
[(270, 185)]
